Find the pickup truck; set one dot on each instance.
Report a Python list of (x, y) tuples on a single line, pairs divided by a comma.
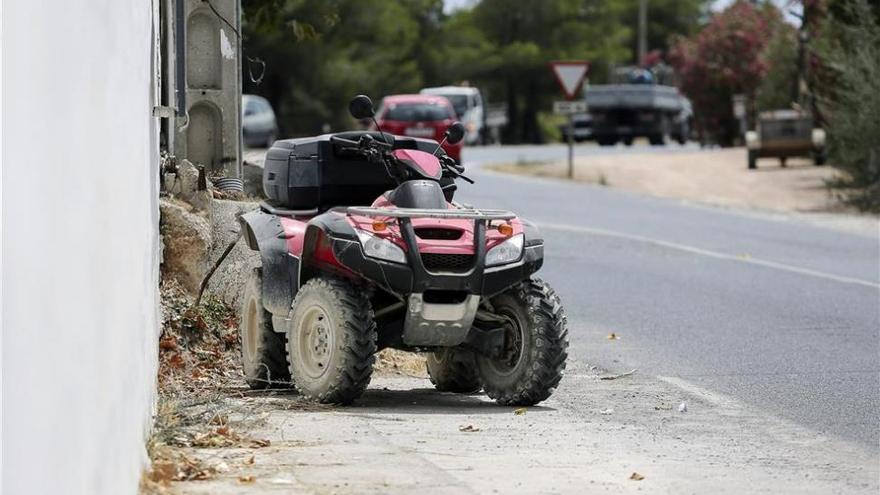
[(638, 108)]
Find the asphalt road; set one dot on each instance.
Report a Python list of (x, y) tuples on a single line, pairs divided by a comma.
[(767, 308)]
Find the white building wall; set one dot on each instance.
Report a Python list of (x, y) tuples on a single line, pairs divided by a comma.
[(79, 244)]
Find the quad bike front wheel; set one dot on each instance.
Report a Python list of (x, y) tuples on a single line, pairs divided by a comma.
[(263, 351), (535, 346), (454, 370), (331, 341)]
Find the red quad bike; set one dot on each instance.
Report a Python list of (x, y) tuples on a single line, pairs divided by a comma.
[(414, 271)]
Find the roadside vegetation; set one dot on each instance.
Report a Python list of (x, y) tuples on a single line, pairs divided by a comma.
[(319, 53), (198, 431), (744, 50), (848, 90), (748, 49), (207, 421)]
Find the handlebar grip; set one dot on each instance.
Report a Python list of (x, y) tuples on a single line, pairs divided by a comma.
[(339, 140)]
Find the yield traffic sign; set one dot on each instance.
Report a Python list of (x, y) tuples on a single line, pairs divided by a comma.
[(570, 75)]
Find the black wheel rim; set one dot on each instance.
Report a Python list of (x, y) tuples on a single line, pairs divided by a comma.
[(512, 354)]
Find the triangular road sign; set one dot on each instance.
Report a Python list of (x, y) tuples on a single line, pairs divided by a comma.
[(570, 75)]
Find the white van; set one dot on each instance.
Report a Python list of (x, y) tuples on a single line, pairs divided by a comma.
[(469, 108)]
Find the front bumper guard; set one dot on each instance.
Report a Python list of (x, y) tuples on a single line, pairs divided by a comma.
[(422, 279)]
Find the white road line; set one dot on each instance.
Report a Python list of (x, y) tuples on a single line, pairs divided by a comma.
[(710, 254)]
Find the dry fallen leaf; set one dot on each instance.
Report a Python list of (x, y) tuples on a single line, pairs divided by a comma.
[(259, 443), (468, 429), (176, 361), (246, 479), (622, 375), (168, 343), (203, 475), (163, 472), (519, 411), (612, 336), (249, 460), (636, 476)]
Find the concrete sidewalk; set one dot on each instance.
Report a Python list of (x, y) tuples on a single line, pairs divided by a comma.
[(592, 435)]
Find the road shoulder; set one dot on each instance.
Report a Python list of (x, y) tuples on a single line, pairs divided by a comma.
[(404, 437)]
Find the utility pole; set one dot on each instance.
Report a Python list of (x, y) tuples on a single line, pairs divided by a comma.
[(643, 31)]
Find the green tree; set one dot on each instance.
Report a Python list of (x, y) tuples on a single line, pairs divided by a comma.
[(727, 57), (319, 53), (848, 91), (523, 36), (666, 19), (778, 89)]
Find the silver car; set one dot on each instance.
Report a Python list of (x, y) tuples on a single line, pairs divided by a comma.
[(258, 126)]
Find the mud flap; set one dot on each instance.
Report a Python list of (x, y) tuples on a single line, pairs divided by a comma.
[(263, 233)]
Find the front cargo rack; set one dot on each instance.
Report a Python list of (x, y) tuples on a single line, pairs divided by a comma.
[(426, 277), (457, 213)]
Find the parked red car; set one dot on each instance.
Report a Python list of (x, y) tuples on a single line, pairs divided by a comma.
[(421, 116)]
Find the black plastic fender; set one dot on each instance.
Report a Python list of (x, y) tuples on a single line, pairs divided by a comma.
[(532, 234), (263, 233)]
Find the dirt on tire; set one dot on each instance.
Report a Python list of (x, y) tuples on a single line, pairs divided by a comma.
[(533, 374), (263, 351), (345, 318), (454, 370)]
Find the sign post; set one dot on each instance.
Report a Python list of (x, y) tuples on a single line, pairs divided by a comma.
[(570, 76)]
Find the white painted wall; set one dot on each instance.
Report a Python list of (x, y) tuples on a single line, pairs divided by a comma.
[(79, 244)]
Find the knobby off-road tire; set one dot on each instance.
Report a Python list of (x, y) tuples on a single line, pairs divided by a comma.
[(533, 366), (331, 343), (263, 351), (454, 370)]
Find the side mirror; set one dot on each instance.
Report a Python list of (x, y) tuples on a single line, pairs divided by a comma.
[(455, 133), (361, 107)]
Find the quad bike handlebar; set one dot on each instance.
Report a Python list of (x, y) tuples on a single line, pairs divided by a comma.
[(377, 151)]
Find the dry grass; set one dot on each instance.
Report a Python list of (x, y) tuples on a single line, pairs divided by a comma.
[(204, 415), (718, 176), (394, 362)]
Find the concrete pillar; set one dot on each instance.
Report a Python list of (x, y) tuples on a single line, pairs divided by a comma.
[(208, 132)]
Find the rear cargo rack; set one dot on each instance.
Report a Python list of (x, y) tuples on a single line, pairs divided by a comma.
[(284, 212), (459, 213)]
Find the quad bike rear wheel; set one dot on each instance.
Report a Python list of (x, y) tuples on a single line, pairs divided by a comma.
[(263, 351), (454, 370), (331, 341), (535, 347)]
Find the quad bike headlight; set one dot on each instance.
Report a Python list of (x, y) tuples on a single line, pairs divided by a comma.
[(506, 252), (376, 247)]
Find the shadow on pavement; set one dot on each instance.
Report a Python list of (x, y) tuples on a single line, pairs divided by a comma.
[(430, 401)]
